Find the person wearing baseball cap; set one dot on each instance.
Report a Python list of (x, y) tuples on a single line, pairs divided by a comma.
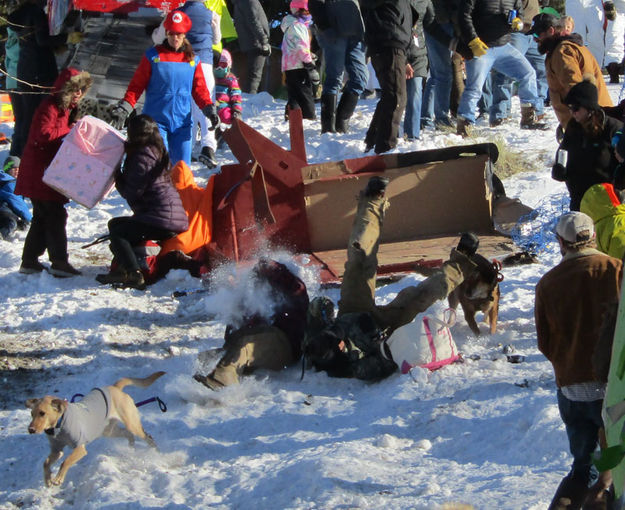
[(570, 302), (170, 75)]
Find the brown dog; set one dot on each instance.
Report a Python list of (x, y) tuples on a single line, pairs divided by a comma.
[(76, 424), (479, 292)]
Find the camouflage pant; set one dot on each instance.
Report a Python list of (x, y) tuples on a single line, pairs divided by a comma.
[(261, 347), (358, 286)]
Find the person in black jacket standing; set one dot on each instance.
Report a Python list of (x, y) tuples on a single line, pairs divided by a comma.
[(388, 34), (417, 58), (340, 32), (252, 28)]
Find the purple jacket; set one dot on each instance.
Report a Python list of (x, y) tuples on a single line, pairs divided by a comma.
[(153, 200)]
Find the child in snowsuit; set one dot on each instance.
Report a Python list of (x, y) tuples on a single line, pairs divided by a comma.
[(14, 211), (298, 64), (227, 93)]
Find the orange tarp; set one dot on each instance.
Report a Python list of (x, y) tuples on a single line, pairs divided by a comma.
[(198, 202)]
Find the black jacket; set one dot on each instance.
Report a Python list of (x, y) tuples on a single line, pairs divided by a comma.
[(488, 20), (417, 55), (338, 18), (36, 63), (589, 161), (388, 23)]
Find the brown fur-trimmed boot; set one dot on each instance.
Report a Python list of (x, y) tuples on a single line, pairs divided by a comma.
[(528, 119)]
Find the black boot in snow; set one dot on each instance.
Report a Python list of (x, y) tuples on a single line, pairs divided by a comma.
[(328, 113), (345, 110)]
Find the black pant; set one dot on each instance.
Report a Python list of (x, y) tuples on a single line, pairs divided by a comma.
[(255, 66), (127, 232), (300, 92), (24, 106), (390, 69), (47, 231)]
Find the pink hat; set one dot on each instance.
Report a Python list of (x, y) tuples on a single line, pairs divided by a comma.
[(225, 58), (299, 4), (177, 22)]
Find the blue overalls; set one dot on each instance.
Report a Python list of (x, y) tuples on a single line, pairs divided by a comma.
[(168, 101)]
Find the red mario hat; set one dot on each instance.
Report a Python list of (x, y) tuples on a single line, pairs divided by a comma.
[(178, 22)]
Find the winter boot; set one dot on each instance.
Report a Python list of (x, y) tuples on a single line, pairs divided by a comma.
[(63, 269), (461, 127), (118, 276), (345, 110), (135, 280), (328, 113), (31, 267), (207, 157), (528, 119), (570, 494), (613, 70)]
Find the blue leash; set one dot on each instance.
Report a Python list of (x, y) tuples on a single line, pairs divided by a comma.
[(161, 404)]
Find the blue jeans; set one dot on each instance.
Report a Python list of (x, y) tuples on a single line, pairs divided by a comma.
[(507, 60), (502, 86), (343, 54), (582, 421), (412, 117), (438, 85)]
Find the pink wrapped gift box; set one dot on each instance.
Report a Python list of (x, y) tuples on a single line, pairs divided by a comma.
[(84, 166)]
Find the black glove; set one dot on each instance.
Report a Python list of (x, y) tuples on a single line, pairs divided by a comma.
[(119, 114), (265, 50), (468, 244), (313, 74), (210, 112)]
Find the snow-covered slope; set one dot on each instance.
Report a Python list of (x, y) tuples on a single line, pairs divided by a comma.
[(486, 432)]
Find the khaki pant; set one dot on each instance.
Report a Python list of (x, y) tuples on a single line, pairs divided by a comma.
[(261, 347), (358, 287)]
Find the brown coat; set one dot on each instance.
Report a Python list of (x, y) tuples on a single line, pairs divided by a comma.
[(571, 300), (566, 65)]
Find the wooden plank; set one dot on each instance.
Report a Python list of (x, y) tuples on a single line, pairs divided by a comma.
[(394, 258)]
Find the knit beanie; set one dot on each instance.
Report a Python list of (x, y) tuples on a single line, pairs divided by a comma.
[(299, 4), (10, 163), (225, 59), (583, 94)]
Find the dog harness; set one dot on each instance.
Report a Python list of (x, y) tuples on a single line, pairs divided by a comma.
[(82, 421)]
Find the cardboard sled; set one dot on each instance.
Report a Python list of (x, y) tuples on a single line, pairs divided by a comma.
[(274, 198)]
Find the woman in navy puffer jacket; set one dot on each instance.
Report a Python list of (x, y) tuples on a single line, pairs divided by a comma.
[(146, 184)]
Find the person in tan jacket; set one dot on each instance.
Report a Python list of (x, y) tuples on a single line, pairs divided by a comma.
[(569, 310), (567, 63)]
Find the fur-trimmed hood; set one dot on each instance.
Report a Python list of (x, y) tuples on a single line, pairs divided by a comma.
[(70, 79)]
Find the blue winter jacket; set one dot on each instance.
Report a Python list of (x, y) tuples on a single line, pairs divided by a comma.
[(201, 34), (15, 202)]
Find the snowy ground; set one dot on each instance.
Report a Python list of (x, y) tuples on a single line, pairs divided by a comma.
[(485, 433)]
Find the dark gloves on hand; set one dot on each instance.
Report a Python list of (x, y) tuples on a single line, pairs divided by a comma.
[(119, 114), (265, 50), (313, 74), (210, 112)]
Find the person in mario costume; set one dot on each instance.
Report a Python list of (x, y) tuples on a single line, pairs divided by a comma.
[(170, 75)]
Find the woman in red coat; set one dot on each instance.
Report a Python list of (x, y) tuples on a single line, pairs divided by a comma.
[(50, 124)]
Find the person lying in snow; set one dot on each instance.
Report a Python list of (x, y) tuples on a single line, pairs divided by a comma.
[(264, 342), (351, 345)]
